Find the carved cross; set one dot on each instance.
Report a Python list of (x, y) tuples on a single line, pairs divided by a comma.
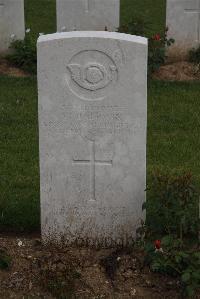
[(93, 163), (196, 11), (87, 6), (1, 6)]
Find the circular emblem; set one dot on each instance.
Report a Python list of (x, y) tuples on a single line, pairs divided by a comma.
[(91, 74)]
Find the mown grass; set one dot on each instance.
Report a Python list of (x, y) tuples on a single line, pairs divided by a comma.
[(19, 175), (151, 11), (173, 127), (173, 122), (40, 16)]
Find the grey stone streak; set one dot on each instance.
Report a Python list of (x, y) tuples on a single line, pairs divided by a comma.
[(11, 22), (92, 127), (87, 15), (183, 21)]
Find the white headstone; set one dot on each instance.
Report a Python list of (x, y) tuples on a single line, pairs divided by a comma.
[(11, 22), (183, 21), (87, 15), (92, 127)]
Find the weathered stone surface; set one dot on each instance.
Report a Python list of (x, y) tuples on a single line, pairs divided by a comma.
[(183, 21), (87, 15), (92, 127), (11, 22)]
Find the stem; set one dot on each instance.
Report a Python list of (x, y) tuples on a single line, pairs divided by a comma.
[(199, 217), (181, 234)]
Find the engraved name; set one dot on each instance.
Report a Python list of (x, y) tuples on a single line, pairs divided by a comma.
[(95, 119)]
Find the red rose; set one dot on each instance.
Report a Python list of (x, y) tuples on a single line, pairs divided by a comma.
[(156, 37), (157, 244)]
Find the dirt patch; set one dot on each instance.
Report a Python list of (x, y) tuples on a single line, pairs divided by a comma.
[(7, 69), (178, 71), (45, 272)]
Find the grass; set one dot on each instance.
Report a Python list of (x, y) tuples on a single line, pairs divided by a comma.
[(40, 16), (19, 176), (173, 122), (151, 11), (173, 127)]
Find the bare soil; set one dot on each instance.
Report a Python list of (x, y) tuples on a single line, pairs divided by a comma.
[(37, 271), (7, 69), (178, 71)]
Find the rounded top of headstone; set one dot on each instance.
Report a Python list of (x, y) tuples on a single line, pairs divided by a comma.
[(94, 34)]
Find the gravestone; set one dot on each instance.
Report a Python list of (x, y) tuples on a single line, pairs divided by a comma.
[(92, 127), (11, 22), (87, 15), (183, 21)]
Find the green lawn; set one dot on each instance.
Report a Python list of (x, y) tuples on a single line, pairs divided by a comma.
[(40, 16), (19, 175), (151, 11), (173, 123), (174, 127)]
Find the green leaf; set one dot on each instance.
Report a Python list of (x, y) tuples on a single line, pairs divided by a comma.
[(183, 254), (5, 260), (185, 277), (155, 266), (197, 255), (149, 247), (167, 240), (196, 275), (190, 291), (178, 259)]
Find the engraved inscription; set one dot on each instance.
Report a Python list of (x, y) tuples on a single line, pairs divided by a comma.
[(196, 11), (93, 163), (92, 74), (94, 121)]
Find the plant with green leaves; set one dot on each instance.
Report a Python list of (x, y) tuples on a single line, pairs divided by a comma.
[(176, 261), (172, 206), (158, 43), (157, 56), (5, 260), (173, 216), (24, 53)]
